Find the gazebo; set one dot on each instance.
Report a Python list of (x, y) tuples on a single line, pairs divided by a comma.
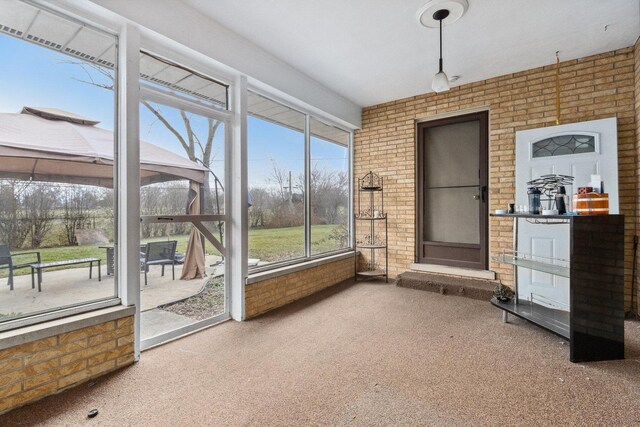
[(51, 145)]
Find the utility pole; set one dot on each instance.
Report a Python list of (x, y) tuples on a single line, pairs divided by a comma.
[(290, 189)]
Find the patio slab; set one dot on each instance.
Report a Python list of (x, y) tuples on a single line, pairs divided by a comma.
[(156, 322), (72, 286)]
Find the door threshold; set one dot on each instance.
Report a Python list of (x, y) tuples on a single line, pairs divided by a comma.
[(454, 271)]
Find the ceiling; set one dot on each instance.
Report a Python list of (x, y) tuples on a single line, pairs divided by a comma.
[(373, 51)]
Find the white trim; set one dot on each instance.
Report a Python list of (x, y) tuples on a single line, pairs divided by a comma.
[(178, 101), (127, 242), (60, 326), (307, 186), (302, 108), (58, 313), (183, 331), (238, 225), (277, 272)]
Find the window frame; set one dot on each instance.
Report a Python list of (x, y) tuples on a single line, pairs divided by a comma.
[(308, 256), (93, 305)]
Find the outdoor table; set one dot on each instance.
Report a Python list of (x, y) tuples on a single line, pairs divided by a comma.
[(42, 265)]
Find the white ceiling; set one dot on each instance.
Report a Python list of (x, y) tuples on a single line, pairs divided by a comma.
[(372, 51)]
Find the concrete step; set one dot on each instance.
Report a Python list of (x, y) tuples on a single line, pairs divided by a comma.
[(446, 284)]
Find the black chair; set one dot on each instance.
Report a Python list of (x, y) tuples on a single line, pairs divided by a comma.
[(160, 253), (6, 261)]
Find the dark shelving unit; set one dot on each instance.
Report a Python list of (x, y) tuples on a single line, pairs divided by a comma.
[(594, 320)]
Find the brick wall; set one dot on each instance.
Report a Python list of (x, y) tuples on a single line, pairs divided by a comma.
[(31, 371), (266, 295), (592, 88)]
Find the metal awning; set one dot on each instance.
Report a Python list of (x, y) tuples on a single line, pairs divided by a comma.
[(39, 26), (266, 109)]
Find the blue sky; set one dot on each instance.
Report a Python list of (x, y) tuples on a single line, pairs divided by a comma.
[(31, 75)]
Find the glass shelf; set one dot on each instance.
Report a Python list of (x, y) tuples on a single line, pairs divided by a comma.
[(530, 262), (371, 218)]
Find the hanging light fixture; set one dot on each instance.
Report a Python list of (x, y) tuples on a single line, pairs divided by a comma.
[(440, 80), (432, 15)]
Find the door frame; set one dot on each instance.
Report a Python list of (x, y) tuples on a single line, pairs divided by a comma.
[(151, 94), (459, 117)]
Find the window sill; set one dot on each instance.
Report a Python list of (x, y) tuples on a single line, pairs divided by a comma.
[(51, 328), (304, 265)]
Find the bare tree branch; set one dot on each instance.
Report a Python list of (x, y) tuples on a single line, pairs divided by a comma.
[(169, 127), (190, 134)]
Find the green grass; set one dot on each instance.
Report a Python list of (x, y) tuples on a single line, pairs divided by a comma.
[(274, 244)]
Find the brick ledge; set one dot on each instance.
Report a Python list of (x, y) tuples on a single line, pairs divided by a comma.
[(51, 328), (277, 272)]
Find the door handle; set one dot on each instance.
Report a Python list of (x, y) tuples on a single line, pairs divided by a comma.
[(476, 197), (483, 191)]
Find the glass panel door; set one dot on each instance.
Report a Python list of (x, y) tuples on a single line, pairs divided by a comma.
[(182, 196)]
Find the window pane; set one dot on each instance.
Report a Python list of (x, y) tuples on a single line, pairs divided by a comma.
[(276, 181), (182, 173), (329, 190), (563, 145), (165, 75), (56, 161)]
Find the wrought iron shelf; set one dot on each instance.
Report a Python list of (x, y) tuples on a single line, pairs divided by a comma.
[(371, 218), (521, 261)]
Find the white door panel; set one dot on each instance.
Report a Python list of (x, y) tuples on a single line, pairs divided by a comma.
[(543, 248), (552, 241)]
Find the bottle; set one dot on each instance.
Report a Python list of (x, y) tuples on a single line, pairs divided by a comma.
[(534, 201), (562, 200)]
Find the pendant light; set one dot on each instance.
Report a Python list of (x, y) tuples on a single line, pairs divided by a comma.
[(440, 80)]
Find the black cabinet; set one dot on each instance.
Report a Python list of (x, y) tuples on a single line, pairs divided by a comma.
[(594, 322)]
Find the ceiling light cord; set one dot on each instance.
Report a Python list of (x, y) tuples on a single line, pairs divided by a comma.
[(440, 69)]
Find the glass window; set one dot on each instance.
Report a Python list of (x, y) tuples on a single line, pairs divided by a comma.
[(158, 72), (182, 169), (329, 190), (276, 180), (56, 162), (563, 145)]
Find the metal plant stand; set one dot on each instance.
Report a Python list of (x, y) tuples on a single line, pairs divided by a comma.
[(374, 221)]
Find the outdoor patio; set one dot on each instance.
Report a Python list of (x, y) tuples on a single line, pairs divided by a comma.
[(73, 286)]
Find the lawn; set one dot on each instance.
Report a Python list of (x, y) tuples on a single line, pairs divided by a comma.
[(271, 245)]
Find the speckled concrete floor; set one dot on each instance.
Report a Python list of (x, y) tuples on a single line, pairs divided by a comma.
[(364, 354)]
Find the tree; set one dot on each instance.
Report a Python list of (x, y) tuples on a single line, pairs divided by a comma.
[(13, 227), (195, 149), (259, 207), (77, 202), (39, 203)]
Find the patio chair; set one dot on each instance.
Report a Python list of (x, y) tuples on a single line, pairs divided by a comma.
[(6, 261), (160, 253)]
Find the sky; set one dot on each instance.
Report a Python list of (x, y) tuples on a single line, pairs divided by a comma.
[(31, 75)]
